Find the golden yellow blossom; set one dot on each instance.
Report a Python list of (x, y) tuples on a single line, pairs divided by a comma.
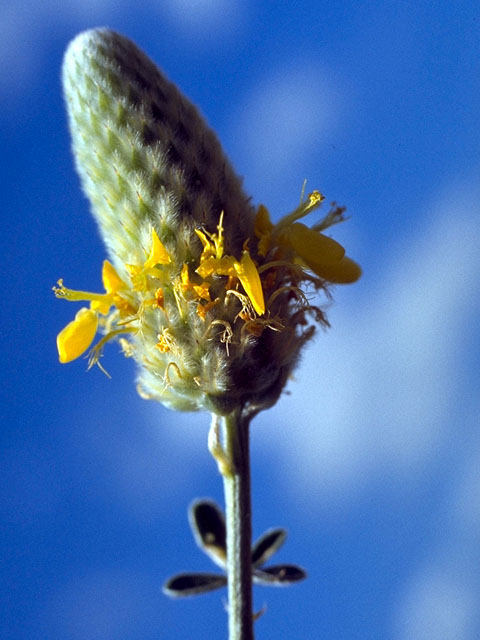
[(77, 336), (158, 255), (213, 262), (294, 241)]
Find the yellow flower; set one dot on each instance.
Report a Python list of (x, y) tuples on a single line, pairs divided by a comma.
[(308, 247), (286, 244), (155, 301), (79, 334), (158, 255), (213, 262)]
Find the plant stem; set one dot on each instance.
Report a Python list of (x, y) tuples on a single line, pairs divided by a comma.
[(236, 482)]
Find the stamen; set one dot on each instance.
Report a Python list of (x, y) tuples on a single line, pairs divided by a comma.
[(256, 326), (75, 296), (299, 294), (97, 351), (166, 377), (334, 216), (227, 334), (166, 341), (247, 309), (315, 199)]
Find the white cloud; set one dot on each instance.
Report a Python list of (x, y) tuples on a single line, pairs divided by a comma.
[(377, 396), (285, 117), (204, 19), (136, 447), (439, 605), (101, 605), (24, 28), (16, 47), (440, 598)]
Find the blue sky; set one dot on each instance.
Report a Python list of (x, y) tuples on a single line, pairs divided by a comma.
[(372, 459)]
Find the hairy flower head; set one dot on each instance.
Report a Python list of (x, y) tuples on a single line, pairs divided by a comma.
[(203, 291)]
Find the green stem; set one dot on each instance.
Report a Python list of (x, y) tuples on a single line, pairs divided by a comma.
[(236, 482)]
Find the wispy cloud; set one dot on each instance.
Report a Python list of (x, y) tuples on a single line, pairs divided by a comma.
[(102, 605), (288, 113), (440, 599), (439, 605), (387, 398), (381, 392), (204, 19), (24, 27)]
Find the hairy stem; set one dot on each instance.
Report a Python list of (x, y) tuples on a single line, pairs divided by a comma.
[(236, 482)]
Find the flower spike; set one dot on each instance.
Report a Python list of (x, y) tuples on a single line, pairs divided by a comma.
[(212, 300), (197, 282)]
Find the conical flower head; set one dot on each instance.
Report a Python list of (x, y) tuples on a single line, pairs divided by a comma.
[(204, 292)]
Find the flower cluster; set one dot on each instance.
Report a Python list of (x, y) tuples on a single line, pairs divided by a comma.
[(288, 256), (209, 296)]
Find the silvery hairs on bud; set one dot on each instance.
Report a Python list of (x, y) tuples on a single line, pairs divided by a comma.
[(144, 153), (147, 160)]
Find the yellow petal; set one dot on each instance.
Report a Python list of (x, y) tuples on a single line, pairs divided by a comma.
[(185, 278), (202, 291), (263, 223), (213, 244), (312, 246), (77, 336), (102, 306), (163, 345), (205, 241), (344, 272), (247, 273), (158, 253), (220, 266), (110, 278), (263, 229)]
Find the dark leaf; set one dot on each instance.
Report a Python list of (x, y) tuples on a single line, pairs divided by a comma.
[(191, 584), (267, 545), (279, 575), (208, 526)]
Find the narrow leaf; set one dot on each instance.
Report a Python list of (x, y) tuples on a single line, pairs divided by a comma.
[(190, 584), (267, 545), (208, 526), (279, 576)]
